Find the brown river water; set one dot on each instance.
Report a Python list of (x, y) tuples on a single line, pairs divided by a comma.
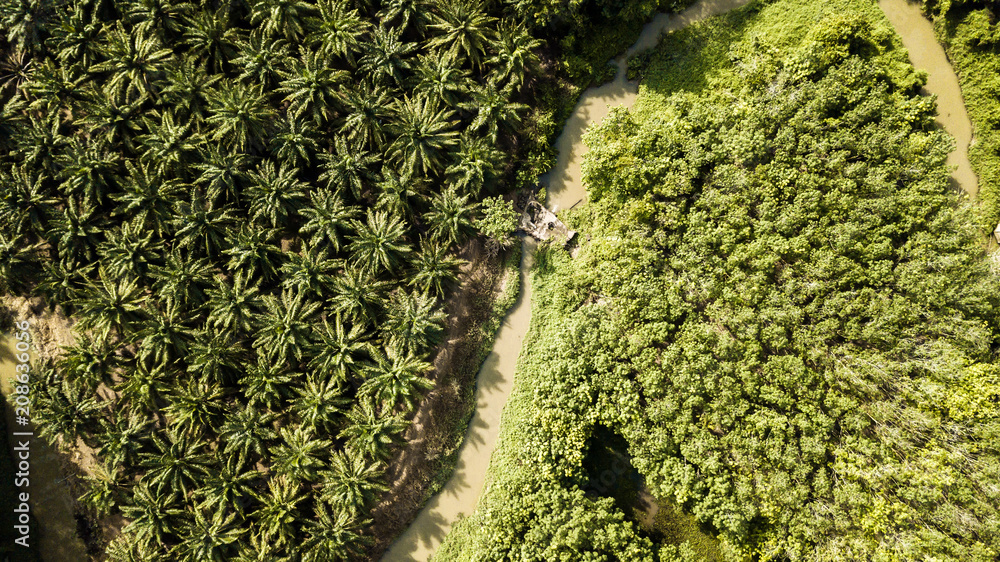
[(52, 504)]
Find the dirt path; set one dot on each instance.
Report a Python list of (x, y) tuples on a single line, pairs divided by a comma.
[(927, 54)]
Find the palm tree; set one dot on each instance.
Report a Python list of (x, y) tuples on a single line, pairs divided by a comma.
[(286, 327), (298, 455), (178, 464), (133, 60), (215, 356), (110, 121), (230, 487), (90, 362), (113, 305), (310, 86), (465, 31), (319, 403), (88, 171), (424, 134), (61, 407), (278, 516), (210, 38), (281, 18), (186, 90), (24, 200), (182, 281), (333, 536), (240, 115), (337, 31), (395, 377), (386, 57), (122, 438), (168, 144), (309, 272), (24, 22), (451, 217), (76, 231), (233, 307), (146, 197), (357, 295), (335, 354), (397, 193), (18, 263), (38, 143), (265, 383), (261, 58), (165, 336), (130, 251), (201, 227), (327, 216), (103, 489), (194, 407), (143, 387), (160, 16), (348, 168), (369, 434), (53, 86), (76, 38), (61, 281), (413, 322), (441, 79), (515, 56), (379, 242), (275, 194), (494, 111), (474, 164), (154, 515), (294, 145), (434, 270), (406, 12), (352, 482), (209, 539), (368, 110), (221, 174), (253, 253), (247, 434)]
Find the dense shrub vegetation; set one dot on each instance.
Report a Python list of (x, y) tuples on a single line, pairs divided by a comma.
[(970, 32), (779, 304)]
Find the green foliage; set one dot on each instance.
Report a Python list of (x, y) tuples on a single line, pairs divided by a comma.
[(782, 307), (499, 220)]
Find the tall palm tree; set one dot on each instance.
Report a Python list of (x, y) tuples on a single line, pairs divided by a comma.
[(265, 383), (221, 174), (465, 31), (494, 110), (130, 251), (103, 489), (162, 17), (168, 143), (352, 482), (76, 37), (164, 336), (434, 269), (154, 514), (378, 243), (182, 281), (348, 168), (442, 79), (230, 487), (254, 253), (409, 15), (357, 295), (122, 438), (39, 141), (210, 38), (186, 90), (386, 58), (278, 517), (25, 202), (194, 407), (310, 86), (298, 456), (474, 164), (337, 31), (88, 171), (24, 22), (399, 193), (282, 18), (233, 306), (143, 387), (424, 134), (61, 281), (275, 194), (178, 463), (319, 403), (19, 263), (413, 322), (395, 378), (209, 538), (53, 86), (333, 536), (110, 121), (247, 434), (201, 227), (240, 115), (111, 305), (369, 434), (261, 59), (515, 56), (295, 143), (134, 60), (215, 356), (451, 217), (338, 348), (327, 217), (89, 362), (309, 272), (368, 108), (286, 326), (62, 407), (146, 197), (76, 231)]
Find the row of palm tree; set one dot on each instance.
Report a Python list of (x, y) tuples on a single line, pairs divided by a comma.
[(253, 211)]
